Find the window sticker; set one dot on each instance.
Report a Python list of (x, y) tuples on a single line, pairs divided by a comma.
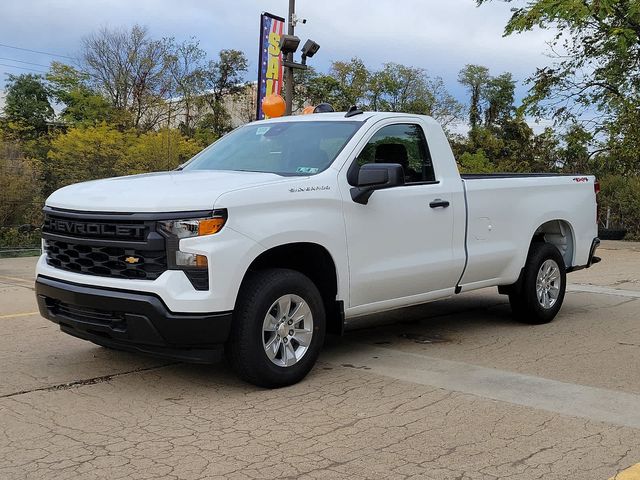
[(262, 130), (307, 170)]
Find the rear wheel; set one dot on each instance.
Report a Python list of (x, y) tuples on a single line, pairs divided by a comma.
[(539, 295), (278, 328)]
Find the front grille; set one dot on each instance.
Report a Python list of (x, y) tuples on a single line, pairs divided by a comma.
[(114, 320), (112, 244), (107, 261)]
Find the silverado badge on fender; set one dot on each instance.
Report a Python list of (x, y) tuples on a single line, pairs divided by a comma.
[(309, 189)]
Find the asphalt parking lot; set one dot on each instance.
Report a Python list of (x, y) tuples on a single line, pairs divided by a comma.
[(451, 390)]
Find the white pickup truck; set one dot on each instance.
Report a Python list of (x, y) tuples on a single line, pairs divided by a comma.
[(285, 229)]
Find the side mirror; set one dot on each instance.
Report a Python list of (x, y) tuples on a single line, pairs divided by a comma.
[(376, 176)]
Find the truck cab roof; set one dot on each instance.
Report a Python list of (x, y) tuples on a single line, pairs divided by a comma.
[(340, 116)]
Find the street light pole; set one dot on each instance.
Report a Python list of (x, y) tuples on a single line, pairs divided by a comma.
[(288, 79)]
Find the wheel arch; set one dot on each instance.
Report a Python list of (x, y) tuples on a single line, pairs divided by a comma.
[(560, 233), (314, 261)]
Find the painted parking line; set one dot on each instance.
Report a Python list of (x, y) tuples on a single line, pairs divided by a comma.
[(16, 315), (631, 473), (585, 288), (597, 404)]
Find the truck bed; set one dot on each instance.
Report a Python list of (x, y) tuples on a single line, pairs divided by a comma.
[(478, 176), (505, 209)]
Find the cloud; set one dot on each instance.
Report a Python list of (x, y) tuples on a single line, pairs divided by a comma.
[(440, 36)]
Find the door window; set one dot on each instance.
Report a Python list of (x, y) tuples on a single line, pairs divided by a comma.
[(404, 144)]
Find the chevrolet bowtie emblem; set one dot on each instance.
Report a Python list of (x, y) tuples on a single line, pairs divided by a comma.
[(132, 260)]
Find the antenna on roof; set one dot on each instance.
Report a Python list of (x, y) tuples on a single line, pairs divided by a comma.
[(353, 110)]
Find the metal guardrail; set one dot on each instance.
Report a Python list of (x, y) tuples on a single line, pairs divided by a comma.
[(20, 249), (19, 252), (12, 246)]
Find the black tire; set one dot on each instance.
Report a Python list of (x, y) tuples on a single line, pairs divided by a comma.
[(245, 349), (523, 297)]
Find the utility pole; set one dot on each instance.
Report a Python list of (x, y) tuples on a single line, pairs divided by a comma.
[(288, 78), (288, 46)]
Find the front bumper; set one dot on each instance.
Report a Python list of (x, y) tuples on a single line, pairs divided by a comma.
[(132, 321)]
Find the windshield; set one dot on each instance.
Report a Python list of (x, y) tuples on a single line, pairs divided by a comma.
[(285, 148)]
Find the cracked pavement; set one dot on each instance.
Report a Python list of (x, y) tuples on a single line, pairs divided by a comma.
[(433, 392)]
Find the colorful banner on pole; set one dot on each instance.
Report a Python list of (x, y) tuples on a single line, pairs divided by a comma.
[(270, 69)]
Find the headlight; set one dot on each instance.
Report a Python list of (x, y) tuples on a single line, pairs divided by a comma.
[(194, 227), (194, 266)]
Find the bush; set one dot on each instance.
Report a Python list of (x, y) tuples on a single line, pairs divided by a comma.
[(156, 151), (475, 163), (79, 154), (621, 195), (86, 153), (20, 187), (89, 153), (19, 240)]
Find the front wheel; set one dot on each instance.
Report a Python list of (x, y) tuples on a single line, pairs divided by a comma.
[(278, 328), (539, 296)]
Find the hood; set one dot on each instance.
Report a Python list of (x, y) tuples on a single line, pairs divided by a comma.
[(157, 192)]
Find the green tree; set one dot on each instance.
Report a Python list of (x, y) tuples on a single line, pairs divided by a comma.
[(312, 88), (597, 69), (224, 79), (395, 88), (619, 152), (490, 98), (82, 105), (574, 154), (443, 106), (486, 140), (399, 88), (499, 97), (475, 163), (547, 152), (27, 110), (204, 133), (187, 74), (476, 79), (602, 43), (511, 146), (352, 83)]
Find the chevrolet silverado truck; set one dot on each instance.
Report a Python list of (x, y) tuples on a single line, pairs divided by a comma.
[(285, 229)]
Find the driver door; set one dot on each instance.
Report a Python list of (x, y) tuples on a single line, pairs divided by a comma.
[(401, 246)]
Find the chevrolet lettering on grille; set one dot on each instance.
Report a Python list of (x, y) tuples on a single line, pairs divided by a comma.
[(70, 227)]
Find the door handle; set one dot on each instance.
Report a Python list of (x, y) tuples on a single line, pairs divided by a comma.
[(439, 203)]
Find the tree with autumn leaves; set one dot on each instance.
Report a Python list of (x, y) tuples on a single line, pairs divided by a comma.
[(133, 104)]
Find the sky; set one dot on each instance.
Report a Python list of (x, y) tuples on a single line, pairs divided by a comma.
[(440, 36)]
